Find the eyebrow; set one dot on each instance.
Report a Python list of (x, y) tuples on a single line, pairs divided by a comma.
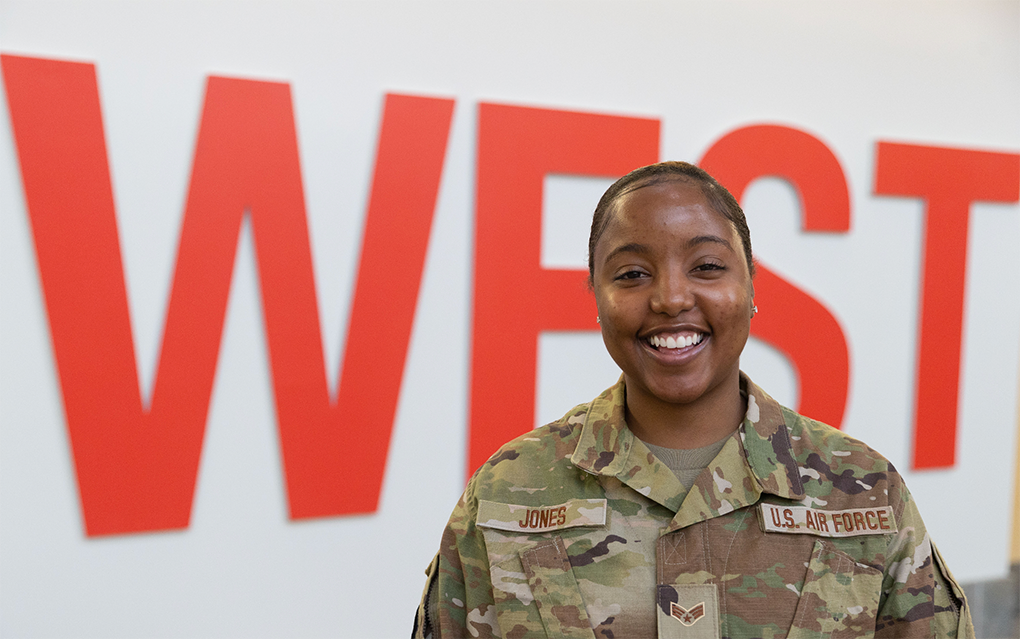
[(701, 239), (635, 247)]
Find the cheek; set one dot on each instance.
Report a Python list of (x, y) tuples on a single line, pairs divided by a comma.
[(733, 309), (616, 321), (617, 311), (605, 305), (609, 321)]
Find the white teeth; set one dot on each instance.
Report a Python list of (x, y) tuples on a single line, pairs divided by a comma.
[(683, 341)]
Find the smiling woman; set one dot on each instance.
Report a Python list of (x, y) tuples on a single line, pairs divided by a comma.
[(684, 501), (675, 302)]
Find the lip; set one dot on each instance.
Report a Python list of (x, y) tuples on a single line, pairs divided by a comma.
[(673, 328), (674, 356)]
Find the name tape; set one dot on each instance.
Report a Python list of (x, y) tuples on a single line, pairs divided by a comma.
[(511, 517), (827, 523)]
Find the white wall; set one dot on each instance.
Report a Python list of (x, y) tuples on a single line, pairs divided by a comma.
[(852, 73)]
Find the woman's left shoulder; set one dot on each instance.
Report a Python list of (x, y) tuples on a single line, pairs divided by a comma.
[(846, 469), (813, 444), (812, 438)]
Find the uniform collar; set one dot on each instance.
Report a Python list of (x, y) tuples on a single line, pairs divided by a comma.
[(767, 445), (761, 450)]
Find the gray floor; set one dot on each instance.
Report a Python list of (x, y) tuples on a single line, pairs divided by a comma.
[(995, 606)]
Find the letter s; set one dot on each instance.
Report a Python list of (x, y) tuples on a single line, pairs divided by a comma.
[(818, 349), (788, 516)]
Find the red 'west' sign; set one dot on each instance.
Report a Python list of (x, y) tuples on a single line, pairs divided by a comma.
[(137, 467)]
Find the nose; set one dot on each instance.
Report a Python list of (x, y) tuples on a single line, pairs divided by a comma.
[(671, 295)]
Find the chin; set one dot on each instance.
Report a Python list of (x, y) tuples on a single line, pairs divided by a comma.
[(685, 389), (679, 397), (677, 393)]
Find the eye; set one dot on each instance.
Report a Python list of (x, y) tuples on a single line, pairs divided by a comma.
[(710, 266), (631, 274)]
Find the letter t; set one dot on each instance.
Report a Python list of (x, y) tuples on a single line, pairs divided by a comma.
[(948, 180)]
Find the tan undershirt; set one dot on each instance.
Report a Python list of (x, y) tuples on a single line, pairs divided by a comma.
[(687, 464)]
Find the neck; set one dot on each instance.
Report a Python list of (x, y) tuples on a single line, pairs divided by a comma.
[(686, 426)]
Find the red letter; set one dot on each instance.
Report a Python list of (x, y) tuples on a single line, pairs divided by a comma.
[(859, 521), (136, 468), (788, 516), (791, 320), (949, 180), (848, 522), (775, 517), (514, 297)]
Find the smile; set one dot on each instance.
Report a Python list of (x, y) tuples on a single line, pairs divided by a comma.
[(676, 341)]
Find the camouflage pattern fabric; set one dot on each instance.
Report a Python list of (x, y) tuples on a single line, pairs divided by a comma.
[(793, 530)]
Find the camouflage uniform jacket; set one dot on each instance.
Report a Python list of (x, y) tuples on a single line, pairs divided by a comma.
[(794, 530)]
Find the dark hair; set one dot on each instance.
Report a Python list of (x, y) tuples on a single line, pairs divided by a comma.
[(718, 198)]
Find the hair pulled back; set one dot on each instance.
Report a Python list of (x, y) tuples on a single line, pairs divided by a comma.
[(718, 197)]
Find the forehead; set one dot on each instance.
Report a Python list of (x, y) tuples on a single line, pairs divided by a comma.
[(663, 212)]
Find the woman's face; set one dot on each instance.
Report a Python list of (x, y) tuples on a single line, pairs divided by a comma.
[(674, 294)]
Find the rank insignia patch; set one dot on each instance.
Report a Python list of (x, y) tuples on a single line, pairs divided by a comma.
[(688, 617), (688, 611)]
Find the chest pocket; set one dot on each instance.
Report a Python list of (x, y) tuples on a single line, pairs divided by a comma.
[(534, 588), (533, 583), (557, 596), (839, 599)]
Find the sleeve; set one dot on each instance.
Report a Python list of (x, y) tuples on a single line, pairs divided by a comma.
[(920, 598), (427, 608), (952, 614), (458, 600)]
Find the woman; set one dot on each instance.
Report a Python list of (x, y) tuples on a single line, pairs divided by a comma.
[(684, 501)]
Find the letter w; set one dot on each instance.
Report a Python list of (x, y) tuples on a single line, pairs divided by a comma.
[(137, 468)]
